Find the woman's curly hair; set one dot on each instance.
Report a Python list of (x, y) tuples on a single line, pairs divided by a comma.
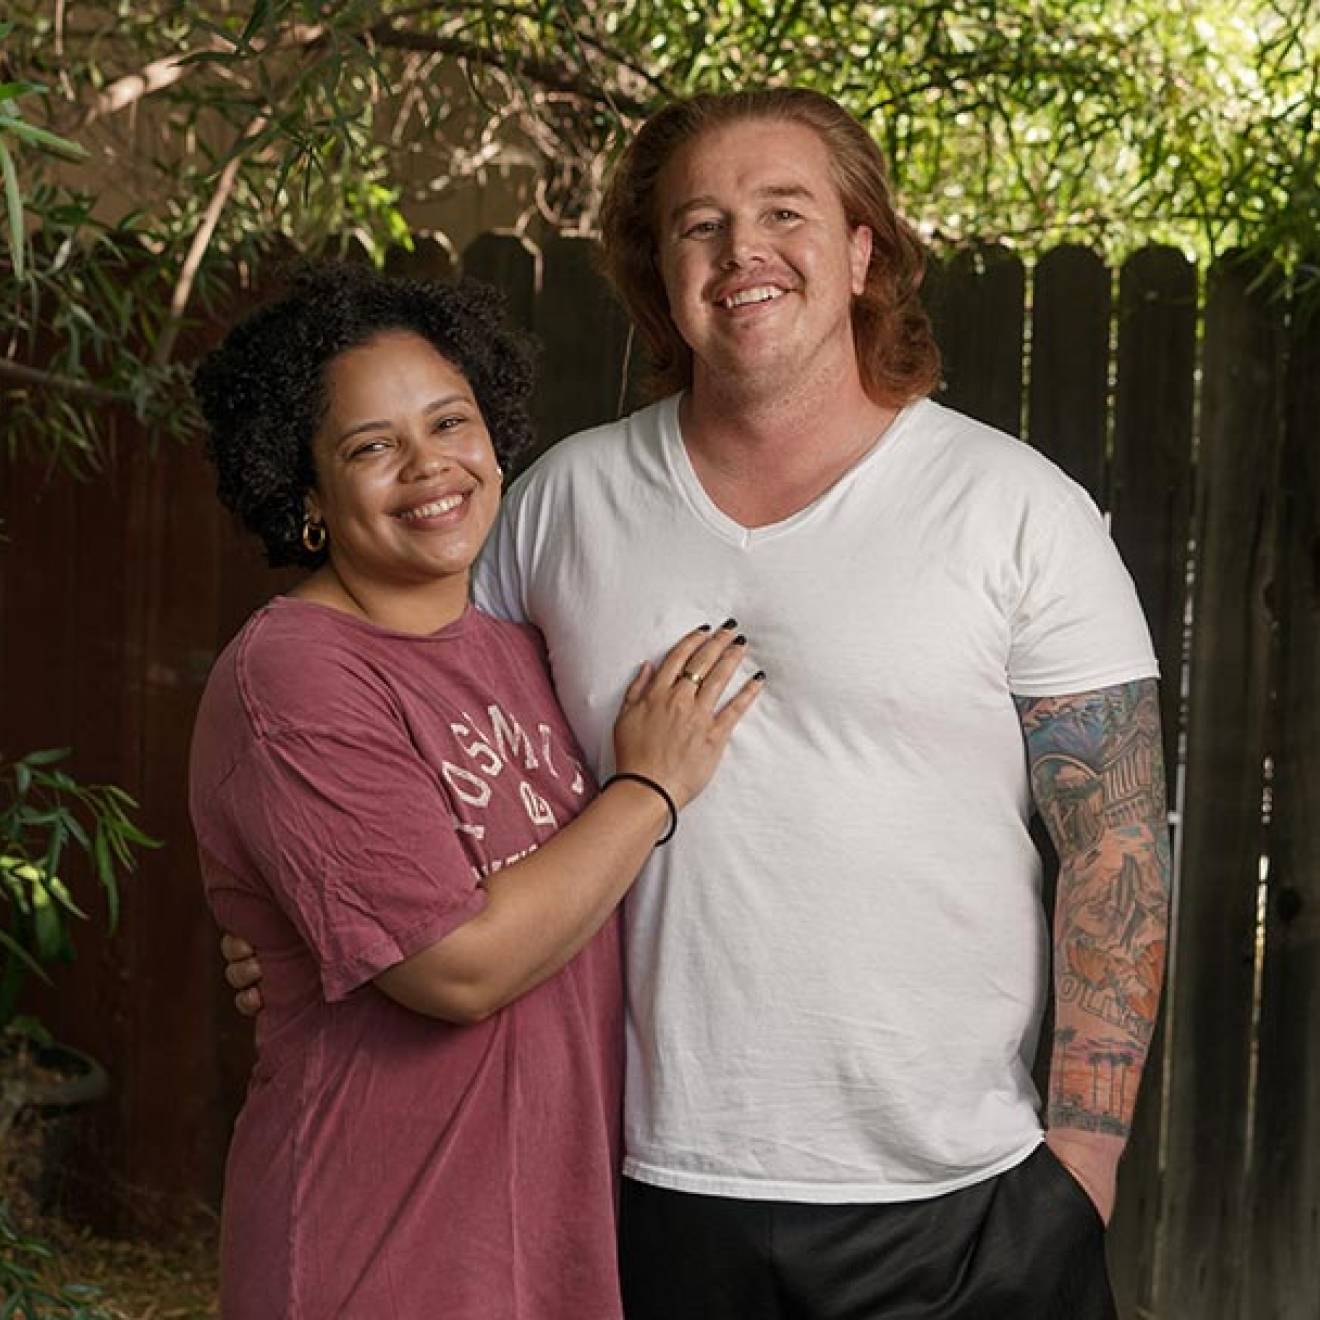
[(262, 391)]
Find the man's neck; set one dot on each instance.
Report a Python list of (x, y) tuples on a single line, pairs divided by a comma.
[(763, 456)]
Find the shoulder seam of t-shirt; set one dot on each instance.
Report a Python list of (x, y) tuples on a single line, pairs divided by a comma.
[(1069, 497), (241, 676), (266, 723)]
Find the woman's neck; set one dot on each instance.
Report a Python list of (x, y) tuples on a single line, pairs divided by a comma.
[(421, 609)]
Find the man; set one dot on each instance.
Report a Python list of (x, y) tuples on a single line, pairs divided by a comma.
[(837, 968)]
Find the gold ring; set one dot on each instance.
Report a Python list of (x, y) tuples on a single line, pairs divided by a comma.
[(695, 679)]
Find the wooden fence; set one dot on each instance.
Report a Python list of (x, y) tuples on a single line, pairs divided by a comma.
[(1189, 407)]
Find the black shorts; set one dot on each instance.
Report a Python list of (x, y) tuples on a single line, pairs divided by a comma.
[(1025, 1245)]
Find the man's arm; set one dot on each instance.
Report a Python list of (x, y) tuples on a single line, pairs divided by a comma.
[(1097, 775), (243, 972)]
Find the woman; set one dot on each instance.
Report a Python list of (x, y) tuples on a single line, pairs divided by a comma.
[(382, 788)]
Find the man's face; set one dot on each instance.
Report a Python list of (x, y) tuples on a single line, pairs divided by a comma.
[(757, 257)]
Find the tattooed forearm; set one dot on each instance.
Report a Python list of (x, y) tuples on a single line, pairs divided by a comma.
[(1097, 774)]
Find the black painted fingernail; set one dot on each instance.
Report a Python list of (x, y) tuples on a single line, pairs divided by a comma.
[(729, 623), (703, 627), (740, 640), (759, 676)]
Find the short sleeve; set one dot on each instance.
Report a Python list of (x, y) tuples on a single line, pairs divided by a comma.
[(354, 836), (497, 577), (1078, 624)]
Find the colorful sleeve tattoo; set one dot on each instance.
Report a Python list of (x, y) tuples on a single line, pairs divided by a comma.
[(1097, 774)]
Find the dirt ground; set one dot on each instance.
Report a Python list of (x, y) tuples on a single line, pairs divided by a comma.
[(174, 1280), (140, 1281)]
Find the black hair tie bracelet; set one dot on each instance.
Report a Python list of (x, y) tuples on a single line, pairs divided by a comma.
[(650, 783)]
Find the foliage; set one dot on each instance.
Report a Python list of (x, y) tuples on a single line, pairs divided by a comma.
[(24, 1292), (43, 810), (216, 128)]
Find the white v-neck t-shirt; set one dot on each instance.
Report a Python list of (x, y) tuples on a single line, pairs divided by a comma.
[(836, 969)]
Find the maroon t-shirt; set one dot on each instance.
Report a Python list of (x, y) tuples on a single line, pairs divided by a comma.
[(350, 789)]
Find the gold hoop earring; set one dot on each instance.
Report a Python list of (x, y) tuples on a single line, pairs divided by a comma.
[(313, 535)]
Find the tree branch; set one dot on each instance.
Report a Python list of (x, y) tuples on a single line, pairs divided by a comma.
[(612, 54), (552, 77), (163, 73), (123, 92), (201, 241), (21, 375)]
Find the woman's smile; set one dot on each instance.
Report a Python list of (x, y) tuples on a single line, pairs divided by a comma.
[(443, 511)]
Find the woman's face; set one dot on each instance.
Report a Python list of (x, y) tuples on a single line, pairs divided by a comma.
[(407, 482)]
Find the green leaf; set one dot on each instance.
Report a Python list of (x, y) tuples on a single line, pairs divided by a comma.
[(131, 832), (79, 833), (8, 942), (30, 1029), (60, 893), (48, 932), (211, 57), (105, 871), (39, 137), (119, 846), (22, 778), (45, 757), (16, 891), (14, 206), (59, 836), (33, 816), (112, 905), (105, 867)]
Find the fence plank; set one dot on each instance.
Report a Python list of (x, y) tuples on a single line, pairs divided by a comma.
[(1067, 421), (512, 266), (976, 301), (171, 1129), (72, 630), (585, 337), (40, 644), (38, 640), (1150, 490), (1284, 1275), (1149, 500), (428, 260), (1067, 406), (1211, 1007), (112, 612), (177, 1134)]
